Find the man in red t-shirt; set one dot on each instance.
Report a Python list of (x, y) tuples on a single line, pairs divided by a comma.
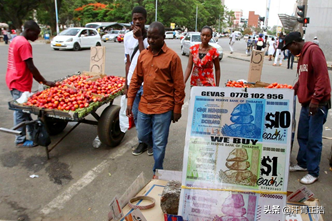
[(20, 72)]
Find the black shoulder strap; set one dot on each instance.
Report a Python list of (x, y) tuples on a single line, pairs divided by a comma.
[(136, 48)]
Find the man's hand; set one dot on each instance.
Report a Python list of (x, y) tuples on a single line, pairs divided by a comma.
[(137, 31), (49, 83), (176, 117), (313, 108), (128, 111)]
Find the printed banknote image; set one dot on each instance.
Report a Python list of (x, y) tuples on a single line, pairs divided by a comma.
[(241, 169), (228, 117), (244, 124)]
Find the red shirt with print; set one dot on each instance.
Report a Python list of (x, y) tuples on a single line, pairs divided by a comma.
[(18, 75)]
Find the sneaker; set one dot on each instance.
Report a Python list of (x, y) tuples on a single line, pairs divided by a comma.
[(296, 168), (274, 64), (308, 179), (150, 151), (141, 148)]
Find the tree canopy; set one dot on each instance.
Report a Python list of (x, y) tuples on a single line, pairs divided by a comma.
[(80, 12)]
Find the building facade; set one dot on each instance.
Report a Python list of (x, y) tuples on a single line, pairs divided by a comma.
[(320, 14), (238, 15), (253, 19)]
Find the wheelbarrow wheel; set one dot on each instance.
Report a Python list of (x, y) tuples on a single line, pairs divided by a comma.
[(109, 131), (55, 126)]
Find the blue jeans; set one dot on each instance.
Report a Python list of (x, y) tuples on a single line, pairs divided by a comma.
[(153, 130), (309, 136), (19, 117), (135, 108)]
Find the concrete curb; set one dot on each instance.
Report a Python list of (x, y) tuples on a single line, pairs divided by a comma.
[(242, 59)]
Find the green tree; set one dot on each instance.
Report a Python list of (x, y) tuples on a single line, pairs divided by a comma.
[(15, 12)]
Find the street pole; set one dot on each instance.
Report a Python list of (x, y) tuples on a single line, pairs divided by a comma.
[(156, 11), (196, 18), (56, 17)]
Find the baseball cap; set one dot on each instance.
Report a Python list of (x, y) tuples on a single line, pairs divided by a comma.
[(260, 35), (315, 37), (293, 36)]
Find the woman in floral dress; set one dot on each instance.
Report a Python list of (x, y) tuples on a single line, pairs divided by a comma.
[(203, 56)]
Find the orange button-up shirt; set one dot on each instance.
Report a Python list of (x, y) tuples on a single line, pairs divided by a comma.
[(163, 88)]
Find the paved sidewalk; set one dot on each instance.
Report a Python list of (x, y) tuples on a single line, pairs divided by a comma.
[(244, 57)]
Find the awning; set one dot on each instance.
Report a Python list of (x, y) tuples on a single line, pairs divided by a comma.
[(288, 22)]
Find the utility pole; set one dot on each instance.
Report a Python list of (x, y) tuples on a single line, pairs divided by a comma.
[(156, 15), (196, 18), (56, 17)]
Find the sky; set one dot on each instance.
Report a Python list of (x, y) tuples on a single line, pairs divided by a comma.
[(259, 6)]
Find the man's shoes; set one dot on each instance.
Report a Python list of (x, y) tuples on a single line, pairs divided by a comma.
[(297, 168), (141, 148), (231, 52), (308, 179), (150, 151)]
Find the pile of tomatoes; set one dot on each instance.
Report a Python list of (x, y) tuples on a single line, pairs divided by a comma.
[(236, 84), (76, 92), (276, 85), (241, 84)]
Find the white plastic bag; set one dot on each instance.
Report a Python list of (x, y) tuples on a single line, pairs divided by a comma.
[(24, 97), (126, 123)]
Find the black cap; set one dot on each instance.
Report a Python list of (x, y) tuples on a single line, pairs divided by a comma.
[(291, 37)]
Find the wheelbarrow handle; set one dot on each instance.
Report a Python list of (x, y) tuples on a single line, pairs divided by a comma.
[(24, 123), (10, 131), (14, 130)]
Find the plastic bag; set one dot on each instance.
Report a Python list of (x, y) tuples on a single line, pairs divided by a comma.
[(126, 123), (24, 97), (40, 134)]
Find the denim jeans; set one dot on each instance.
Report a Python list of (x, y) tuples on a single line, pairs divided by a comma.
[(153, 130), (290, 59), (19, 117), (309, 136), (135, 108)]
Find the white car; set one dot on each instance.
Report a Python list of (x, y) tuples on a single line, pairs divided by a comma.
[(169, 34), (76, 38), (195, 38), (112, 35)]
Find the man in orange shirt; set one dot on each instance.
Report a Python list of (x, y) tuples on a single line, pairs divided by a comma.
[(161, 102)]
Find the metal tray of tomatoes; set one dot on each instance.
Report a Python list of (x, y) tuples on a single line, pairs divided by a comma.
[(68, 115)]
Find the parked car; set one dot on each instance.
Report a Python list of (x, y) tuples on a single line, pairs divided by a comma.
[(120, 37), (195, 38), (169, 34), (111, 35), (76, 38)]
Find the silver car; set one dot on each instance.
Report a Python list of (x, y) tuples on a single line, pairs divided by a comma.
[(195, 38), (111, 35)]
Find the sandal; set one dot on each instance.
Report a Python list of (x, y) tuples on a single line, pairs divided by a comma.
[(27, 143)]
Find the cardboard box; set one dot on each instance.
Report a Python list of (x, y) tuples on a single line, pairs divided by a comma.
[(153, 189), (305, 207), (256, 66), (310, 210)]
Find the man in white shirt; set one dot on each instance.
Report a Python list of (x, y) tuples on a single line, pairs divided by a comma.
[(134, 42), (232, 39)]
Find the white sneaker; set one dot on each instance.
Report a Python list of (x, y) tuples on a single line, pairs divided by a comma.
[(308, 179), (296, 168)]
